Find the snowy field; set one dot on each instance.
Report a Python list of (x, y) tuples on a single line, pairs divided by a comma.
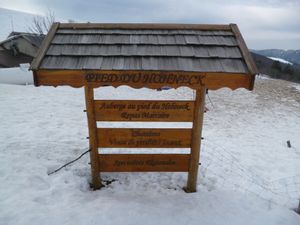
[(248, 174)]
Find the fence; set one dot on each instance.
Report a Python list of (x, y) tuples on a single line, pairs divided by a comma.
[(220, 168)]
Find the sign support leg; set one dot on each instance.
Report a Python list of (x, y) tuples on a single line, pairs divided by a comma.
[(196, 140), (92, 124)]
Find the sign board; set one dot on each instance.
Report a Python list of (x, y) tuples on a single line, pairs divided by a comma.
[(144, 162), (96, 78), (139, 79), (143, 138), (141, 110), (145, 111)]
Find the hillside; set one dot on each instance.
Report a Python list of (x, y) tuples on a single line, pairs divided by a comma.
[(277, 69), (289, 55), (11, 20), (248, 175)]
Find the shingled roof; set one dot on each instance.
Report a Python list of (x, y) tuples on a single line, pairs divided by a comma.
[(150, 47)]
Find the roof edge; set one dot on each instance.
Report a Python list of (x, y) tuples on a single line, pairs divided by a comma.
[(245, 53), (44, 47), (145, 26)]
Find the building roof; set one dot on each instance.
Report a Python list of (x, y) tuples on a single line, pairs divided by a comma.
[(145, 47), (22, 43), (8, 59), (34, 39)]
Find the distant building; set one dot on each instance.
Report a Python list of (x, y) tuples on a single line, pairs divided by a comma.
[(19, 48)]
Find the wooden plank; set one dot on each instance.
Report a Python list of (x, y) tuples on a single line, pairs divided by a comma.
[(89, 98), (44, 47), (144, 162), (144, 26), (246, 54), (96, 78), (143, 138), (143, 110), (196, 140)]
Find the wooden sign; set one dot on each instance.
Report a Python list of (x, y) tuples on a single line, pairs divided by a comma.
[(172, 79), (138, 110), (144, 162), (129, 110), (143, 138), (140, 79), (137, 60)]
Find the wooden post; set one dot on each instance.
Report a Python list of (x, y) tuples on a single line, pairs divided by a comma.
[(196, 140), (92, 124)]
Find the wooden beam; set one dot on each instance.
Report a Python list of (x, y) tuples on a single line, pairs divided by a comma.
[(92, 125), (95, 78), (144, 138), (144, 162), (43, 48), (145, 26), (196, 140), (246, 54)]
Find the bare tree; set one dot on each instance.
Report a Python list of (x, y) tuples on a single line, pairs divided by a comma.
[(42, 24)]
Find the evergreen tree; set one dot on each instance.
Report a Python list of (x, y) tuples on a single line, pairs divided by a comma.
[(276, 66)]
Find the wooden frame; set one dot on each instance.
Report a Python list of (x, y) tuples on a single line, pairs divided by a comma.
[(144, 138)]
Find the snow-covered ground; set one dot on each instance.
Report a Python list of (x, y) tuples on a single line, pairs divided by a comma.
[(280, 60), (248, 174), (16, 75)]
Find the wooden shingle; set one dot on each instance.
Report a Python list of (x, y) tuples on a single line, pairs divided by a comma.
[(150, 47)]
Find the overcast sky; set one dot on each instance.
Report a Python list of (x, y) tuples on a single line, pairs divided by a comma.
[(264, 24)]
